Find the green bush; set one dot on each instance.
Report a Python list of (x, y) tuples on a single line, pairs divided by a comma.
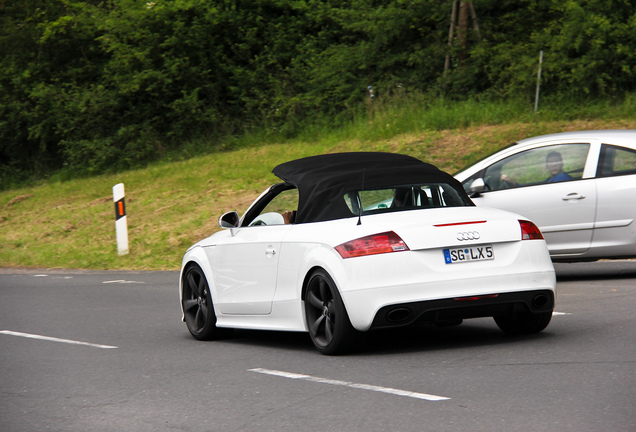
[(92, 86)]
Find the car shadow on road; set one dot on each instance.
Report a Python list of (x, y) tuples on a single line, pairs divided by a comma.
[(426, 338), (470, 334), (293, 341)]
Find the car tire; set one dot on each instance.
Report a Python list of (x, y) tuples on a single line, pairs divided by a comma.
[(198, 308), (326, 316), (523, 323)]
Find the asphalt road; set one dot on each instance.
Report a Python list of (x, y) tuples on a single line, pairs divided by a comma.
[(106, 351)]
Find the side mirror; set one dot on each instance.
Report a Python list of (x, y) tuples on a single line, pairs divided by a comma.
[(229, 220), (477, 187)]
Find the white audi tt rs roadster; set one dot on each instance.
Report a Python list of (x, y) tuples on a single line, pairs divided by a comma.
[(352, 242)]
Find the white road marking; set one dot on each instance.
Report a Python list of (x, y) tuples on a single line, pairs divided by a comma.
[(52, 339), (54, 277), (122, 281), (350, 384), (555, 313)]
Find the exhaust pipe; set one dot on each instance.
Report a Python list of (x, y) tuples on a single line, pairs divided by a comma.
[(539, 301), (398, 315)]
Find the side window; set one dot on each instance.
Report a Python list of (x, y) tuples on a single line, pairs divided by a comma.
[(281, 209), (615, 161), (548, 164)]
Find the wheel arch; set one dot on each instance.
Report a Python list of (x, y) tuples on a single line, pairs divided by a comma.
[(334, 266), (308, 275), (196, 256)]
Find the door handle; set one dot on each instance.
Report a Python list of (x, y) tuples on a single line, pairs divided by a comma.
[(573, 196), (270, 251)]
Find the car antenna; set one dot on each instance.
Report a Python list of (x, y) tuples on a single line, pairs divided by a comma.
[(360, 199)]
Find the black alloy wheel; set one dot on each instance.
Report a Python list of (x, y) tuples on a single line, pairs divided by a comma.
[(197, 306), (327, 320)]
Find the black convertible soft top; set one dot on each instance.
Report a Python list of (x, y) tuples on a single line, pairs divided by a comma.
[(323, 180)]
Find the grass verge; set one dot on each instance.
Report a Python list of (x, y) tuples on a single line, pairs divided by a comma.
[(171, 205)]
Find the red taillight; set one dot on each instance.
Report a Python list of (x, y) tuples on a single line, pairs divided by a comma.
[(530, 231), (372, 245)]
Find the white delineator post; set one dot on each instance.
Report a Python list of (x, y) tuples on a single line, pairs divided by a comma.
[(121, 224)]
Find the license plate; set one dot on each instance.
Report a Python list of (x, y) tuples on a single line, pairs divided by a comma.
[(466, 254)]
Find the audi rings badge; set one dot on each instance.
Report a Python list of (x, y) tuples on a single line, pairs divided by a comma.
[(469, 235)]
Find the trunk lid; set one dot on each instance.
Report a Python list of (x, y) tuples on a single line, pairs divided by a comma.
[(452, 227)]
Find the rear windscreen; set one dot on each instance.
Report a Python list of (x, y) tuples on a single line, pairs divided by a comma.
[(404, 197)]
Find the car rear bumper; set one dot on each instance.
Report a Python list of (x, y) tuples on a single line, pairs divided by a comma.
[(365, 305), (452, 309)]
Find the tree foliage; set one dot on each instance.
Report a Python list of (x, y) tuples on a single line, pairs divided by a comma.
[(94, 85)]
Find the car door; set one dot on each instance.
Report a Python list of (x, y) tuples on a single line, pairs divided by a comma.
[(246, 261), (615, 228), (563, 205), (246, 268)]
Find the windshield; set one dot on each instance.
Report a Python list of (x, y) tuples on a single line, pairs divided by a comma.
[(404, 197)]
